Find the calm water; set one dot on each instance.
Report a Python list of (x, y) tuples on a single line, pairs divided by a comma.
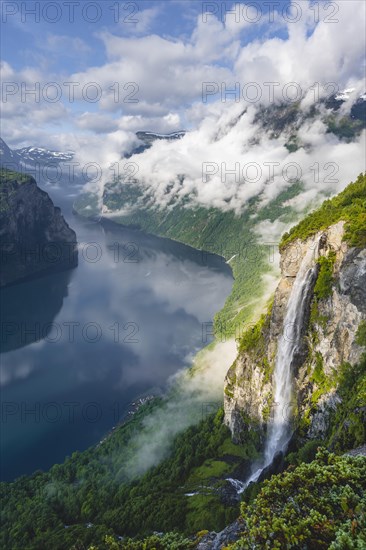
[(78, 347)]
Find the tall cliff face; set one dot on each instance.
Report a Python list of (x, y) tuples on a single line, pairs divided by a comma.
[(35, 238), (335, 306)]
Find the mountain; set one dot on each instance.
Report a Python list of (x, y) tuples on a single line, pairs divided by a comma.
[(7, 156), (311, 337), (43, 156), (31, 156), (35, 238), (146, 140), (170, 209), (287, 119), (148, 137), (191, 499)]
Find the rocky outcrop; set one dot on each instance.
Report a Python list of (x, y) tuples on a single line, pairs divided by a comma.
[(35, 238), (218, 541), (330, 324), (360, 451)]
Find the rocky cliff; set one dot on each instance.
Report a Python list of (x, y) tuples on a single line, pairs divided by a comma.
[(35, 238), (334, 311)]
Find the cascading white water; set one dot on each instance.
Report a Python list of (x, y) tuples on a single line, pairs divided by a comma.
[(280, 430), (238, 485)]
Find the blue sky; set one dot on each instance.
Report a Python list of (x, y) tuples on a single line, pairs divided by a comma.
[(161, 53), (169, 65), (28, 30)]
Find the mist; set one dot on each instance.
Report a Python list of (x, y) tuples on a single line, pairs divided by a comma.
[(194, 394), (226, 158)]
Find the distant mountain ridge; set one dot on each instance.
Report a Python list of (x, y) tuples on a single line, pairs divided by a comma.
[(39, 154), (30, 156), (147, 139)]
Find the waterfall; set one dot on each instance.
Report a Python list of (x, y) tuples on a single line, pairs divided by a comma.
[(238, 485), (279, 432)]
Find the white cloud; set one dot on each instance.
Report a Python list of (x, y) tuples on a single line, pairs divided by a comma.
[(329, 54), (168, 74), (141, 22), (68, 45)]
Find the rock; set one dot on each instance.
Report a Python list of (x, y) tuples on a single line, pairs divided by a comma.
[(331, 341), (352, 278), (217, 541), (228, 494), (206, 542), (320, 419), (247, 398), (360, 451), (35, 238), (276, 466)]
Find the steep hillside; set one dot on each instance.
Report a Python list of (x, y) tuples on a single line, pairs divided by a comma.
[(35, 238), (330, 340), (90, 500)]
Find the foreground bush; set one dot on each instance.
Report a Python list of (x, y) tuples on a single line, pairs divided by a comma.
[(320, 505)]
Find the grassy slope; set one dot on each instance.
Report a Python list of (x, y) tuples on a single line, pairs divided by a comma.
[(319, 505), (92, 486), (89, 486), (10, 175), (349, 206)]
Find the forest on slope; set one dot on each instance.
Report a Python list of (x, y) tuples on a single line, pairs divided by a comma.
[(90, 500)]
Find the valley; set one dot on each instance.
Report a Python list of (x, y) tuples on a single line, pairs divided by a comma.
[(183, 275)]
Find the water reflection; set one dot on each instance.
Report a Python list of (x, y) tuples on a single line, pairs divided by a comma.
[(25, 318), (121, 325)]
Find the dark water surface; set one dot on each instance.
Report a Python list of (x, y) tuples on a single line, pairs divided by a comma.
[(79, 346)]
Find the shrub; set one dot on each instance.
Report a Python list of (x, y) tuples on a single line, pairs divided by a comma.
[(349, 206), (311, 506)]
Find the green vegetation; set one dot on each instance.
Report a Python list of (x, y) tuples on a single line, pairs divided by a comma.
[(6, 191), (320, 505), (361, 334), (306, 453), (345, 127), (324, 282), (227, 234), (254, 342), (348, 422), (293, 144), (167, 541), (349, 206), (323, 382), (12, 176), (319, 501), (253, 338), (92, 495)]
